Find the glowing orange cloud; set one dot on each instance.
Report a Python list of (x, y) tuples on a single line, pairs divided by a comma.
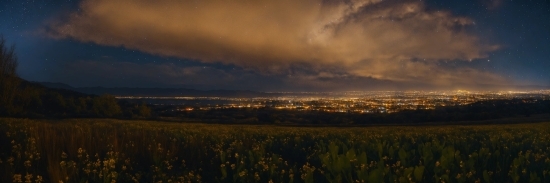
[(388, 40)]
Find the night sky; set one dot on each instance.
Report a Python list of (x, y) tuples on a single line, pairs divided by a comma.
[(283, 45)]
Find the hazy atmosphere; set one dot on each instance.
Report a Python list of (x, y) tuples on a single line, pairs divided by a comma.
[(298, 91), (310, 45)]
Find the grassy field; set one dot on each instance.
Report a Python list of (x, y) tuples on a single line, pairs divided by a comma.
[(104, 150)]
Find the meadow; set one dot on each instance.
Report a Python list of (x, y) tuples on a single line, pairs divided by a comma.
[(106, 150)]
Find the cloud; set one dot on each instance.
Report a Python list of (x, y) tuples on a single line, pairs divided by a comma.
[(122, 73), (386, 40)]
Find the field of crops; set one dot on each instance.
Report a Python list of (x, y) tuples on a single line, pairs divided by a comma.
[(93, 150)]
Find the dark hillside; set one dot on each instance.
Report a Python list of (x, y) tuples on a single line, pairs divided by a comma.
[(33, 100)]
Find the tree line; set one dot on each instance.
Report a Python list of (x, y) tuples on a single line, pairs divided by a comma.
[(20, 98)]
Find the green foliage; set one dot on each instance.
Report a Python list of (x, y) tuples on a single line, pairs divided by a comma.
[(144, 111), (135, 151), (35, 101), (8, 77), (106, 106), (20, 98)]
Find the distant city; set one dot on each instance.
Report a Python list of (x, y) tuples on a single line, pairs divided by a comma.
[(344, 102)]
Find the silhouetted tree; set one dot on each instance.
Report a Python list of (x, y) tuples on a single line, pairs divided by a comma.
[(8, 76), (106, 106), (144, 111)]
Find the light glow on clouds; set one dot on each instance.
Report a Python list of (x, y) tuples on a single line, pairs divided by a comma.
[(391, 40)]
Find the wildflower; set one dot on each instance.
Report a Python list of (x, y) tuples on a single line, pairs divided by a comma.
[(109, 163), (28, 178), (242, 173), (79, 152), (27, 163), (17, 178), (113, 174), (38, 179), (256, 176)]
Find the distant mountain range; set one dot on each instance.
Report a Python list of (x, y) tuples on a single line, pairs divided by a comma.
[(186, 92), (159, 92)]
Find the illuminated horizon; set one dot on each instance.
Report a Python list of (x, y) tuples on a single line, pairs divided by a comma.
[(310, 45)]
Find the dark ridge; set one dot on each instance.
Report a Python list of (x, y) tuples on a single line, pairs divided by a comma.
[(56, 85), (158, 92)]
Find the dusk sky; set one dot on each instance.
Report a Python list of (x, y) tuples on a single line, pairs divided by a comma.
[(282, 45)]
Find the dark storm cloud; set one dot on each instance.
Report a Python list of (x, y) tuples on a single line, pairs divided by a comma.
[(122, 73), (364, 39), (116, 73)]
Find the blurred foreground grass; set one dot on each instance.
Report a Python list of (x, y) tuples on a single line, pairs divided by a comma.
[(105, 150)]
